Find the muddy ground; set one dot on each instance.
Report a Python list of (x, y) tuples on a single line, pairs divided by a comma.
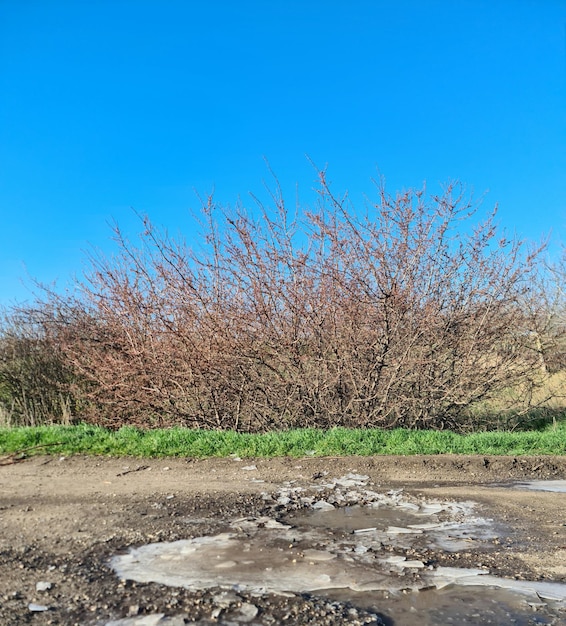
[(61, 519)]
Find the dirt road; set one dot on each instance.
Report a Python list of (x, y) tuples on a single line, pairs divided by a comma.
[(62, 519)]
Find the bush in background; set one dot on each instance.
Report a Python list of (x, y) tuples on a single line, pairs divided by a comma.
[(36, 379), (409, 314)]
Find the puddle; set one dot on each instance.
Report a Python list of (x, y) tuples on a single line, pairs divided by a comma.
[(356, 519), (460, 606), (558, 486), (399, 521), (344, 536), (555, 486), (268, 563)]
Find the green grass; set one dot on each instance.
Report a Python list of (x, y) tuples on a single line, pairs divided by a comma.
[(128, 441)]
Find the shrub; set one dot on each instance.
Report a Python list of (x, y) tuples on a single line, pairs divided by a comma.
[(35, 379), (405, 316)]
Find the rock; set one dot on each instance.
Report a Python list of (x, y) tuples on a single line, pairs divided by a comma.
[(43, 585), (352, 480), (146, 620), (360, 549), (225, 599), (247, 612), (322, 505)]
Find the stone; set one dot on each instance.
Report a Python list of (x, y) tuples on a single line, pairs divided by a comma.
[(247, 612), (322, 505), (43, 585)]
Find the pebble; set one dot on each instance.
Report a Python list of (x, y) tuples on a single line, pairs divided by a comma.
[(247, 612), (42, 585), (225, 599), (322, 505)]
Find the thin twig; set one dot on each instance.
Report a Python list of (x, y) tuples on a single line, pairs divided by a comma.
[(137, 469)]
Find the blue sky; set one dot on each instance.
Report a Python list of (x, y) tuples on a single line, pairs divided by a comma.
[(107, 105)]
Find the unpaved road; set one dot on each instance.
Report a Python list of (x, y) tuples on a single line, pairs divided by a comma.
[(61, 519)]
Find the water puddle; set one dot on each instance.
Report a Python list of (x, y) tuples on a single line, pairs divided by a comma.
[(270, 562), (557, 486), (341, 535), (403, 524), (356, 519), (454, 605)]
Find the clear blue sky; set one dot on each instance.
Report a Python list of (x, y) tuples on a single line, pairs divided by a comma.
[(111, 104)]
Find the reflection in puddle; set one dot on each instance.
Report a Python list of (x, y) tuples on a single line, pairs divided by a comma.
[(342, 535)]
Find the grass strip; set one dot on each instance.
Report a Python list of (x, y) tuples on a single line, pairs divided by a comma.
[(180, 442)]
